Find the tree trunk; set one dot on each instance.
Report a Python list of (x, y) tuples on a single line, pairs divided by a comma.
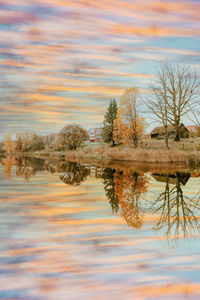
[(166, 137), (166, 140), (135, 139), (177, 135)]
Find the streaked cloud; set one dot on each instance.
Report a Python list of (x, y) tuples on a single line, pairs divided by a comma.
[(67, 58)]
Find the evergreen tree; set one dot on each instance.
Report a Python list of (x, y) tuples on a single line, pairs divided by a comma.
[(110, 116)]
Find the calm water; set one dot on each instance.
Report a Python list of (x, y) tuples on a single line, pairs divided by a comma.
[(71, 231)]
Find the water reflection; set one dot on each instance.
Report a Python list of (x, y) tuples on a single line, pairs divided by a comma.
[(65, 237), (179, 214), (127, 192), (124, 190), (74, 173), (110, 188), (130, 187), (175, 212), (8, 163), (25, 166)]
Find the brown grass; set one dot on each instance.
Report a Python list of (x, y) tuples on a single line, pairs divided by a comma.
[(122, 153)]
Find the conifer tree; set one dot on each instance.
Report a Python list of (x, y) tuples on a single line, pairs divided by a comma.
[(110, 116)]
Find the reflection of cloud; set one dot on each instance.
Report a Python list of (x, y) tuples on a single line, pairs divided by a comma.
[(15, 17)]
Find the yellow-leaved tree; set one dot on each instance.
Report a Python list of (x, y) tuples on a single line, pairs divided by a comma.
[(9, 145), (128, 126), (24, 140)]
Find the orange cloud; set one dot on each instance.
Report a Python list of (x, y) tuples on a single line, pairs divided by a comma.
[(91, 89), (154, 30)]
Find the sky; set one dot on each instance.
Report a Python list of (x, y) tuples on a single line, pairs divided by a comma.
[(62, 61)]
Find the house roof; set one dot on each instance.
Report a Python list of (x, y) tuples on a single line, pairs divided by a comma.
[(172, 178), (161, 129)]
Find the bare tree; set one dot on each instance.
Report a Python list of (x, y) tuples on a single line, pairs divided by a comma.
[(183, 89), (157, 103), (174, 94)]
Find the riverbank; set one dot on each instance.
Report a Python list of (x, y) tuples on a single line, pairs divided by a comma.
[(123, 153), (30, 164), (130, 154)]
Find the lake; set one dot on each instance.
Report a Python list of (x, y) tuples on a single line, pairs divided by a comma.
[(80, 231)]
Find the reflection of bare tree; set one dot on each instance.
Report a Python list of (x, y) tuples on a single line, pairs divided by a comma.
[(178, 213), (74, 173), (25, 172), (129, 188), (28, 166), (109, 187)]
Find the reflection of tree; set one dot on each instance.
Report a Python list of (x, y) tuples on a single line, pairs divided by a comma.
[(109, 187), (8, 163), (25, 171), (129, 188), (25, 166), (74, 173), (178, 213), (28, 166)]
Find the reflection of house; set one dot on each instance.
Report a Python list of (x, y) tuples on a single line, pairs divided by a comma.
[(172, 178), (96, 172), (159, 132), (95, 134)]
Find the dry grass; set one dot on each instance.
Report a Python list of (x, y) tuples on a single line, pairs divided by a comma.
[(153, 156), (190, 144), (122, 153)]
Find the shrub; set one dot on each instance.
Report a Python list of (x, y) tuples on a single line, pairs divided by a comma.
[(72, 136)]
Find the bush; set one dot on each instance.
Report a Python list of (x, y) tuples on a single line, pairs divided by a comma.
[(1, 148), (72, 136), (37, 143)]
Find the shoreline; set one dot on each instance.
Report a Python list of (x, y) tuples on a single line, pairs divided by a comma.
[(138, 155), (119, 154)]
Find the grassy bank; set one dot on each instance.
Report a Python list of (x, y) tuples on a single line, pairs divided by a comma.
[(187, 144), (128, 153)]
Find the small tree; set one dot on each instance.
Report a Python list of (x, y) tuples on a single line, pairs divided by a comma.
[(24, 141), (108, 124), (128, 126), (1, 148), (9, 145), (72, 136), (37, 143)]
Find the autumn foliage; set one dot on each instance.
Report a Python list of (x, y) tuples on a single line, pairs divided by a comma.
[(128, 126), (129, 188)]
